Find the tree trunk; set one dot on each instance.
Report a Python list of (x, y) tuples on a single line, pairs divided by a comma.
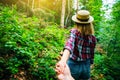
[(76, 5), (28, 2), (66, 22), (38, 3), (28, 6), (63, 13), (32, 4)]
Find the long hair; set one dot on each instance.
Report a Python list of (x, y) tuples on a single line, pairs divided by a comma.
[(85, 29)]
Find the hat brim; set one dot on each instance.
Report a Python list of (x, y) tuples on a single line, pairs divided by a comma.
[(90, 20)]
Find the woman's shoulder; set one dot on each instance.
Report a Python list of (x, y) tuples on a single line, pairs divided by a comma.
[(74, 30)]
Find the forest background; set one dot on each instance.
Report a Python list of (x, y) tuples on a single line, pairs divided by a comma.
[(33, 33)]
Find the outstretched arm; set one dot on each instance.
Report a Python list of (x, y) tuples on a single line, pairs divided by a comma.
[(62, 63)]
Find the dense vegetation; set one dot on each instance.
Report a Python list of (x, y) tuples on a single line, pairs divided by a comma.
[(27, 47), (31, 40)]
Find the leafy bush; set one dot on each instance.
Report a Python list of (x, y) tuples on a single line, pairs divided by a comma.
[(27, 47), (106, 68), (16, 46)]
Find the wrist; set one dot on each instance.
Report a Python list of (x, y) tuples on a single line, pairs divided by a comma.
[(65, 55)]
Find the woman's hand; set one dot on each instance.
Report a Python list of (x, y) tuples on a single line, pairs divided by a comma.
[(65, 75), (60, 67)]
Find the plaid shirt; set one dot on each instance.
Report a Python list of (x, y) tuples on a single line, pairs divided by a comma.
[(81, 48)]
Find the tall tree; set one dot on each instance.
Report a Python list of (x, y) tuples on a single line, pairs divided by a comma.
[(28, 2), (76, 5), (69, 10), (38, 3), (63, 13), (33, 4)]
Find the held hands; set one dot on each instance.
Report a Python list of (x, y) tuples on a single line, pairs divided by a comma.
[(60, 67), (63, 72)]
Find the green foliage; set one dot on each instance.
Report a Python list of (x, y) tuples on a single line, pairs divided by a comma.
[(8, 2), (52, 40), (99, 68), (106, 68), (116, 9), (116, 23), (16, 48), (27, 45), (45, 66)]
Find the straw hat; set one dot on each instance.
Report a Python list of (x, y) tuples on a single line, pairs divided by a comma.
[(83, 17)]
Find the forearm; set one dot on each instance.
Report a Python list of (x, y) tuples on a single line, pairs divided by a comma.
[(65, 55)]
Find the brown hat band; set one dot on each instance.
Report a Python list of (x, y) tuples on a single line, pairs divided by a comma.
[(81, 19)]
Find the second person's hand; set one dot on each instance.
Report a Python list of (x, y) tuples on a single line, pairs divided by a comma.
[(60, 66)]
